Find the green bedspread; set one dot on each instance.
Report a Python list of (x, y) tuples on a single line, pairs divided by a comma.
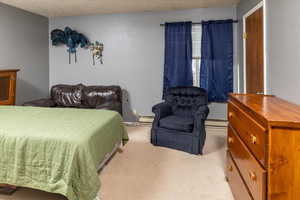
[(57, 149)]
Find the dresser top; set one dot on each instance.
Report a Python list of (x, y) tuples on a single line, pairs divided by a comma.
[(9, 70), (270, 109)]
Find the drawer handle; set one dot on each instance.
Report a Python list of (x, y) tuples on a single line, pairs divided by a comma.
[(230, 140), (252, 176), (253, 139), (230, 114), (230, 168)]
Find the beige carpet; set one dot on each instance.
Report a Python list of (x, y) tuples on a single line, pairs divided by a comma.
[(145, 172)]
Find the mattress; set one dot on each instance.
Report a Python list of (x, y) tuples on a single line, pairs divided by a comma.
[(57, 150)]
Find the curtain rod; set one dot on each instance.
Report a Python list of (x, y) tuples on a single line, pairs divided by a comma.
[(199, 23)]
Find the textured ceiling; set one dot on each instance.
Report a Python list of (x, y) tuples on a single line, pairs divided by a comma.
[(52, 8)]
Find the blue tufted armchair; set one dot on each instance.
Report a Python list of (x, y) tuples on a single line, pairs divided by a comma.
[(179, 121)]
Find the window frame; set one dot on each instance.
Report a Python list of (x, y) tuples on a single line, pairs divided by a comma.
[(196, 59)]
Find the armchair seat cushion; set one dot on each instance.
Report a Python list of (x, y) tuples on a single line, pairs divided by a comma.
[(177, 123)]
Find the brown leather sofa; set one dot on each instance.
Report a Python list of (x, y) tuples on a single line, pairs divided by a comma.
[(81, 96)]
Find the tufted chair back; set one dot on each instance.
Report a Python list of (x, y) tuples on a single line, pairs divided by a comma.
[(185, 101)]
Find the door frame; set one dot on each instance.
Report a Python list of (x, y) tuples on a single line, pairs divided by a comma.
[(262, 4)]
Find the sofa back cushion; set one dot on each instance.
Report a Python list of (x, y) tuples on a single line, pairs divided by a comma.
[(185, 101), (67, 95), (95, 96)]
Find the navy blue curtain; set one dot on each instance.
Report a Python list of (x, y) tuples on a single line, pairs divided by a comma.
[(216, 73), (178, 55)]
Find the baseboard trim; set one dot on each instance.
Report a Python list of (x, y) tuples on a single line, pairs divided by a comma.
[(132, 123), (216, 123), (148, 120), (216, 130)]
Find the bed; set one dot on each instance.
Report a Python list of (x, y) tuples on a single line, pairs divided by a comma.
[(57, 150)]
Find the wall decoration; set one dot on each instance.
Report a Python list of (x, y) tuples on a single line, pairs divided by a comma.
[(72, 39), (96, 50)]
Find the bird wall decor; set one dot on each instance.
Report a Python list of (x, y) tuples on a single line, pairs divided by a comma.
[(72, 39)]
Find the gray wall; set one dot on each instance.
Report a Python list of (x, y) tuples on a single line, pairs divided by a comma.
[(243, 7), (133, 53), (24, 45), (283, 31)]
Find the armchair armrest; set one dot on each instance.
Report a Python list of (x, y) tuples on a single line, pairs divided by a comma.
[(41, 103), (162, 110), (199, 123), (202, 113)]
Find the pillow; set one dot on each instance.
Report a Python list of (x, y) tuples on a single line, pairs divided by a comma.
[(93, 96), (67, 95)]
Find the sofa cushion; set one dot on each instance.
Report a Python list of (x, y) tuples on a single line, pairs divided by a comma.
[(67, 95), (178, 123), (95, 96)]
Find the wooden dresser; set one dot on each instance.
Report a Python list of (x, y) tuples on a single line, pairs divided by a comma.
[(263, 158), (8, 86), (7, 97)]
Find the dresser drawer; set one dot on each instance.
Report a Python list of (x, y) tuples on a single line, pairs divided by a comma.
[(252, 173), (237, 185), (252, 133)]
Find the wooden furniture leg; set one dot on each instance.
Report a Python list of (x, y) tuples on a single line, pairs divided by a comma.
[(7, 189)]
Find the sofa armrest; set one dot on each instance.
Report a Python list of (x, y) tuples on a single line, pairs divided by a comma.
[(115, 106), (41, 103)]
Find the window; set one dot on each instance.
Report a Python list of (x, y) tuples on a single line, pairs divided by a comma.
[(196, 36)]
